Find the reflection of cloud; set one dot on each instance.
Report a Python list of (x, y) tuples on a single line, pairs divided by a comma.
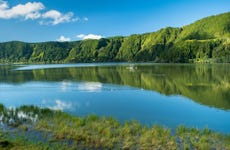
[(90, 87), (131, 68), (60, 105), (65, 85), (12, 108), (23, 115)]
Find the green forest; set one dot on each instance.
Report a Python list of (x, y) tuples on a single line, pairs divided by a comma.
[(206, 40)]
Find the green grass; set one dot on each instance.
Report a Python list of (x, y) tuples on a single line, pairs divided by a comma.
[(58, 130)]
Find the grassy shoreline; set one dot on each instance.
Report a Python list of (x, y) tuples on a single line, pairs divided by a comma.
[(30, 127)]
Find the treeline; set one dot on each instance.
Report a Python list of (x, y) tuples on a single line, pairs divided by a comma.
[(207, 40)]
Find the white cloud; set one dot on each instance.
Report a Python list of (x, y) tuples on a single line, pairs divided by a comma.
[(33, 16), (30, 10), (3, 5), (86, 19), (63, 39), (35, 10), (81, 36), (89, 36), (75, 19), (57, 17)]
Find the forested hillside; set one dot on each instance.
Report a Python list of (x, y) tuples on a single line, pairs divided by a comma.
[(206, 40)]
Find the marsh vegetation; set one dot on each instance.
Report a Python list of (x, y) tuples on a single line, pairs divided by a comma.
[(29, 127)]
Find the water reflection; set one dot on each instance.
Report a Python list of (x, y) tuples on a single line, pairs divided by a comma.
[(81, 91), (65, 85), (90, 87), (205, 84), (60, 105)]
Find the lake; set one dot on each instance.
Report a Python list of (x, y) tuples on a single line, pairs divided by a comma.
[(195, 95)]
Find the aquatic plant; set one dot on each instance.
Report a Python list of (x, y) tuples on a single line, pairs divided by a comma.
[(58, 130)]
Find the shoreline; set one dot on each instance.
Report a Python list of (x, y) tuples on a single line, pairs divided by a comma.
[(41, 128)]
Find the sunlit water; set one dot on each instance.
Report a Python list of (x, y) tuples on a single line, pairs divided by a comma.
[(169, 95)]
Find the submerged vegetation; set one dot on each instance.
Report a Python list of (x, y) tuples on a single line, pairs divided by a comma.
[(30, 127), (206, 40)]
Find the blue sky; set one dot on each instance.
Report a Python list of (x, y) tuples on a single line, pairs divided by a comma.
[(52, 20)]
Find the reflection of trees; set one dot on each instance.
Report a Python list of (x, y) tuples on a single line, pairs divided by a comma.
[(206, 84)]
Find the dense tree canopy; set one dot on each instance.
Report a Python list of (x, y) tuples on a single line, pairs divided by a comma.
[(207, 40)]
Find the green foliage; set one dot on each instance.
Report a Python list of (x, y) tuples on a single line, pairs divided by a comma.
[(109, 51), (206, 40), (191, 138), (129, 48), (63, 131), (208, 28)]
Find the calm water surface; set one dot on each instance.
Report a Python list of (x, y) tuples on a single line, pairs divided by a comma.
[(165, 94)]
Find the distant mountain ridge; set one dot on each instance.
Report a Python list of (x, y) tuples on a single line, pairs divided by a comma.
[(206, 40)]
